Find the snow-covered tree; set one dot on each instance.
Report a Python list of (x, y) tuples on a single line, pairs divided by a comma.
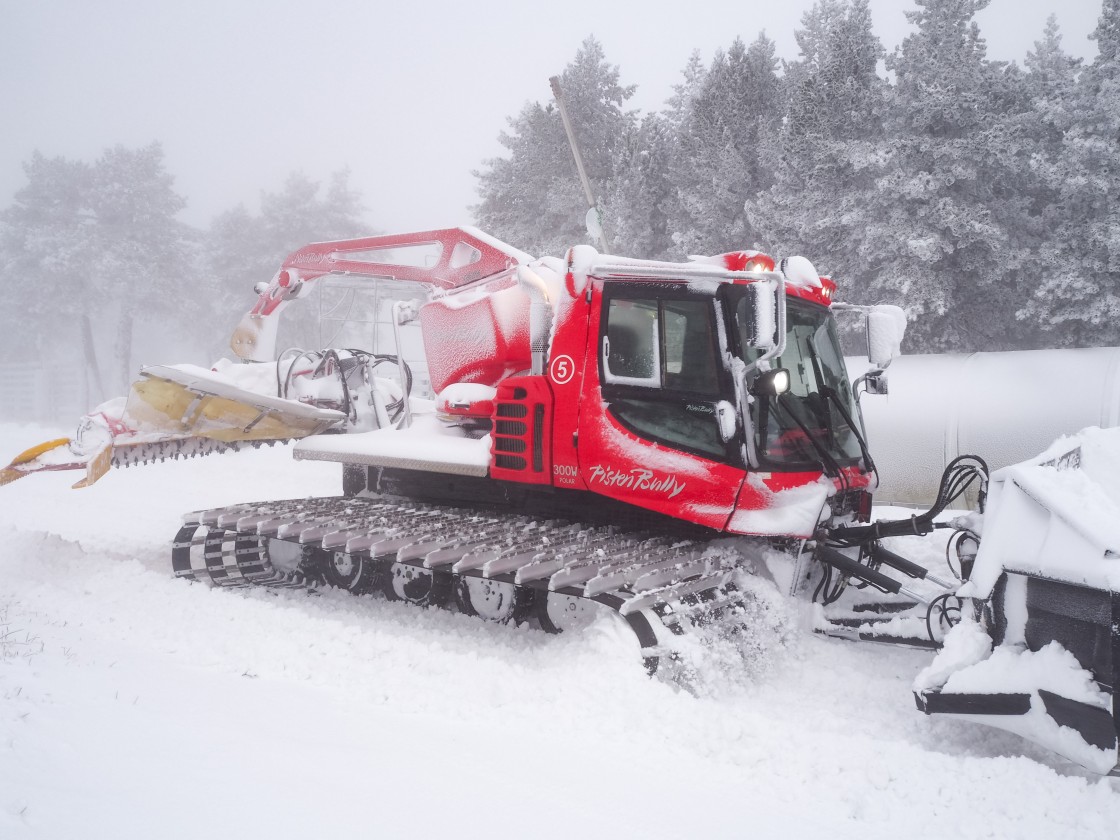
[(240, 249), (685, 91), (1078, 297), (938, 240), (95, 246), (303, 212), (43, 252), (532, 198), (832, 145), (140, 265), (640, 194), (724, 152)]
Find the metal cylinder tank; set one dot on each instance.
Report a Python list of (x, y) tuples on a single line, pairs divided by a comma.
[(1004, 407)]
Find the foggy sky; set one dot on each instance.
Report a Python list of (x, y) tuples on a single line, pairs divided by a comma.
[(410, 96)]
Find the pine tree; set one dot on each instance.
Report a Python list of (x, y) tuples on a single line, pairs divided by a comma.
[(1078, 297), (532, 198), (692, 82), (938, 241), (640, 193), (141, 261), (44, 246), (240, 250), (297, 215), (722, 156), (95, 245), (832, 145), (642, 196)]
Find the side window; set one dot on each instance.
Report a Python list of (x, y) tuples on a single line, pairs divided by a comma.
[(660, 372), (666, 344), (689, 358), (632, 347)]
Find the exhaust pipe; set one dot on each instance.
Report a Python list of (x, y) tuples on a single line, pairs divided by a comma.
[(540, 316)]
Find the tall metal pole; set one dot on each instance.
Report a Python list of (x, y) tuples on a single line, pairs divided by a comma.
[(554, 81)]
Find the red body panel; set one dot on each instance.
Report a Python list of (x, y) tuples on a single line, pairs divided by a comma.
[(591, 450), (464, 258), (521, 440), (484, 340), (823, 295), (566, 371), (615, 462)]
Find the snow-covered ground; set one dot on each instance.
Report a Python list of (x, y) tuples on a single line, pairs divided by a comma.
[(134, 705)]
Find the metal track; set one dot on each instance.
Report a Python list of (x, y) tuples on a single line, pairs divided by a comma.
[(647, 578)]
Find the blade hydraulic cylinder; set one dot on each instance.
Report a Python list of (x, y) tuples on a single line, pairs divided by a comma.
[(853, 568), (887, 557)]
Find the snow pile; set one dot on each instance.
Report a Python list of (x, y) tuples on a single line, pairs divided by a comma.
[(732, 648), (464, 394), (965, 645), (961, 668), (793, 510), (152, 707), (1056, 515), (1053, 669)]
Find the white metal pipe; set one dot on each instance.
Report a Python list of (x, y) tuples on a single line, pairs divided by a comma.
[(1004, 407)]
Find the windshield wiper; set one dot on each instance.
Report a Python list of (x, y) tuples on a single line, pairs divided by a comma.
[(831, 394), (826, 462)]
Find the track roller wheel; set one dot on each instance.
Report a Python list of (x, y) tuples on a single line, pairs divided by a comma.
[(491, 599), (342, 570), (421, 587), (557, 612)]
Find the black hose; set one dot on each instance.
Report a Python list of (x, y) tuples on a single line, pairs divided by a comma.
[(961, 473), (946, 610)]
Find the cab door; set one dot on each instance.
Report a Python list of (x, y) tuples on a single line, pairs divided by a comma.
[(658, 426)]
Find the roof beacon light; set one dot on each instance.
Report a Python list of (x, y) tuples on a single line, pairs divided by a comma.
[(800, 272)]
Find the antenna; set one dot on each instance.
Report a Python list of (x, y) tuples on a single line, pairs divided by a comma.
[(594, 218)]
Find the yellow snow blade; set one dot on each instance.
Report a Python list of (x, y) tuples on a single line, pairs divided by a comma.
[(180, 408), (37, 450), (98, 465), (169, 405), (10, 473)]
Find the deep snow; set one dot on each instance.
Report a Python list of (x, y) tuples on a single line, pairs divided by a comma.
[(134, 705)]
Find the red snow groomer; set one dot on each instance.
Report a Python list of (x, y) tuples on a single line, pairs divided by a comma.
[(595, 423), (546, 439)]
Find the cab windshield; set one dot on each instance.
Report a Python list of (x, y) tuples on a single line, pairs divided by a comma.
[(816, 420)]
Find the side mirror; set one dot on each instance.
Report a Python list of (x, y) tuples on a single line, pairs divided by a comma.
[(593, 221), (876, 383), (771, 383), (886, 326), (758, 315)]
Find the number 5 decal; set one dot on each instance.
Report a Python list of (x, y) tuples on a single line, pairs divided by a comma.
[(562, 369)]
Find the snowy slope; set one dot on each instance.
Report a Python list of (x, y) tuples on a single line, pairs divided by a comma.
[(133, 705)]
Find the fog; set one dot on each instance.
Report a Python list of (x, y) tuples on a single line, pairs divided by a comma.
[(410, 96)]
